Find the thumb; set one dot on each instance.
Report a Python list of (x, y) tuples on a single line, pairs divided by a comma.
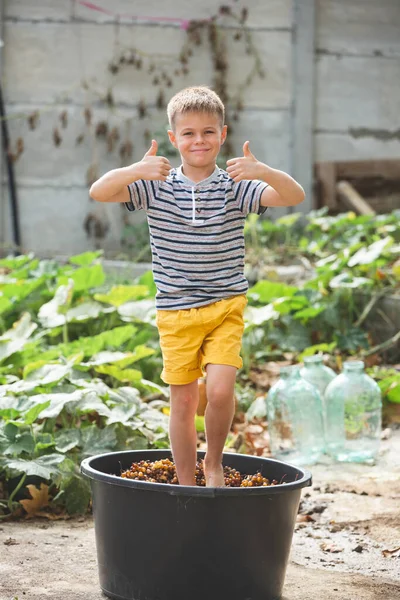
[(246, 150), (153, 149)]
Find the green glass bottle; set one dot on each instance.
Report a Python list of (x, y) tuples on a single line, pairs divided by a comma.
[(353, 403), (295, 425)]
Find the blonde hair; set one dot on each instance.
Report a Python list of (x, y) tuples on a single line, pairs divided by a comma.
[(195, 99)]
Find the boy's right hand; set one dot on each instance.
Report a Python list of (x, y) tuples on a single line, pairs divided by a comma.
[(153, 167)]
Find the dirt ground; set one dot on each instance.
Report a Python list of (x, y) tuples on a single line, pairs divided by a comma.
[(346, 545)]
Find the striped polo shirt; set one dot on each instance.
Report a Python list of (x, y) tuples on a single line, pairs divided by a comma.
[(196, 235)]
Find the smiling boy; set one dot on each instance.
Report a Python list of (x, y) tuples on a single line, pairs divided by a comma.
[(196, 216)]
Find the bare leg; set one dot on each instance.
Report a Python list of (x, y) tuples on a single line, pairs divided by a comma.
[(218, 419), (182, 430)]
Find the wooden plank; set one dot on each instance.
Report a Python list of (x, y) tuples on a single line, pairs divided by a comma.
[(302, 156), (389, 169), (352, 199), (326, 179)]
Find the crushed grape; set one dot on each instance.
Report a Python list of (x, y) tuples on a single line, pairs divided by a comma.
[(163, 471)]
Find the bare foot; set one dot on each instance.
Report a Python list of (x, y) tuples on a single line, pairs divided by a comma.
[(214, 475)]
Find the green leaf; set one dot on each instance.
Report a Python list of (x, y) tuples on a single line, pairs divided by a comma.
[(91, 403), (120, 294), (266, 291), (124, 375), (49, 373), (9, 413), (257, 409), (309, 313), (147, 279), (86, 258), (390, 387), (328, 348), (345, 280), (76, 495), (150, 386), (294, 337), (138, 353), (142, 310), (24, 442), (85, 278), (353, 340), (14, 339), (114, 338), (86, 311), (5, 304), (44, 441), (122, 414), (33, 413), (366, 256), (19, 290), (104, 357), (287, 305), (66, 439), (257, 316), (53, 313), (57, 402), (97, 441), (200, 423), (44, 466)]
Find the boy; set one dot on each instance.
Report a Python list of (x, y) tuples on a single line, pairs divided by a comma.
[(196, 216)]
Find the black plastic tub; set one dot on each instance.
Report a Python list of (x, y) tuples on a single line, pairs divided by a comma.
[(169, 542)]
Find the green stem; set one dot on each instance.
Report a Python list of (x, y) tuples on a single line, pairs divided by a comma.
[(65, 333), (13, 494), (369, 307), (384, 346)]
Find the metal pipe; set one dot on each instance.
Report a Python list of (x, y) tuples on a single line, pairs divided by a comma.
[(11, 177)]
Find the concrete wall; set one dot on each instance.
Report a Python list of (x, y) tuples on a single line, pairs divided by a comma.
[(52, 46)]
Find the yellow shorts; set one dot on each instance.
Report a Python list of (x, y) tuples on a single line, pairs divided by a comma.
[(194, 337)]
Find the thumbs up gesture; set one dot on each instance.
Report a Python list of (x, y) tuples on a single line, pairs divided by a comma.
[(244, 167), (153, 167)]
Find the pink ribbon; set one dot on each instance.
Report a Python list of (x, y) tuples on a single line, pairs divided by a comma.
[(184, 23)]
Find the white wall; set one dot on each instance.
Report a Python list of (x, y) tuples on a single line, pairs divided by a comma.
[(52, 46)]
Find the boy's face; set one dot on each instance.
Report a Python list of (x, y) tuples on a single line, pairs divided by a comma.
[(198, 137)]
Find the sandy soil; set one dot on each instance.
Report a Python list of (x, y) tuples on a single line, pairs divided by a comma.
[(340, 554)]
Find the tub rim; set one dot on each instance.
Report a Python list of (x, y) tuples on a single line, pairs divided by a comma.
[(182, 490)]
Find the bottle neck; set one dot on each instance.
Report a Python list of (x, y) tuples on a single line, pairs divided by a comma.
[(290, 371), (353, 366), (313, 361)]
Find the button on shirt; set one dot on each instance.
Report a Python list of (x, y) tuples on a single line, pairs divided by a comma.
[(196, 235)]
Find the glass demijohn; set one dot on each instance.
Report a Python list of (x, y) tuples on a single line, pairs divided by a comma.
[(353, 415), (294, 411)]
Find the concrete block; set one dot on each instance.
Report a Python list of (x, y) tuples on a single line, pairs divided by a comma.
[(42, 163), (363, 27), (331, 146), (39, 10), (357, 92), (269, 136), (52, 219), (49, 61), (268, 14)]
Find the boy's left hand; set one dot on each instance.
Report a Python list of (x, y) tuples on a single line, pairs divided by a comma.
[(246, 167)]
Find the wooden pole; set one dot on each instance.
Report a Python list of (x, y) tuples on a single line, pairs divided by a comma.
[(303, 98), (352, 199)]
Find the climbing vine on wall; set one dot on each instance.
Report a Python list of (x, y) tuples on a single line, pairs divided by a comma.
[(212, 34)]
